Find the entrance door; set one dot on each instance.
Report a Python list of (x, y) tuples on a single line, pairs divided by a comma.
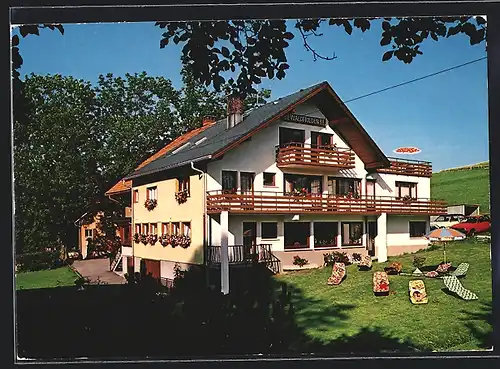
[(370, 194), (249, 239), (372, 233)]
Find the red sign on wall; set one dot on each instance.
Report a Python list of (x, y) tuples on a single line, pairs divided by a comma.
[(407, 150)]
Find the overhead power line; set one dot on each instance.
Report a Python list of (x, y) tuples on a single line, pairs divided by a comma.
[(414, 80)]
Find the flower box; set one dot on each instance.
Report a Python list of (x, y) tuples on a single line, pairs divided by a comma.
[(181, 196), (150, 204)]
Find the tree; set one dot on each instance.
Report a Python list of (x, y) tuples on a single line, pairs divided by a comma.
[(76, 140), (136, 116), (56, 173), (255, 49)]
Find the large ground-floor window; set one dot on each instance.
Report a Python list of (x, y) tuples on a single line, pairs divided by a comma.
[(296, 235), (325, 234), (352, 233), (417, 229)]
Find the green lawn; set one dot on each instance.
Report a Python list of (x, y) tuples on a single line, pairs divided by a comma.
[(446, 323), (463, 187), (46, 278)]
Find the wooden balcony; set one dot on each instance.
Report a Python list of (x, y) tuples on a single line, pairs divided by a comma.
[(278, 203), (240, 254), (408, 168), (303, 156)]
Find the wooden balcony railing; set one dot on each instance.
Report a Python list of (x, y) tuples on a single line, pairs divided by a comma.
[(408, 168), (306, 155), (276, 202), (240, 254)]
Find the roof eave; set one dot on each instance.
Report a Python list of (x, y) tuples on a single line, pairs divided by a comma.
[(133, 176)]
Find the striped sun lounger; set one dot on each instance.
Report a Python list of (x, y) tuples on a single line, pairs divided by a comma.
[(461, 270), (453, 284)]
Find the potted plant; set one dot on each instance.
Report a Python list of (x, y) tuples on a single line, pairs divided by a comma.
[(137, 238), (152, 238), (407, 199), (184, 241), (297, 260), (418, 262), (150, 204), (165, 240), (144, 239), (181, 196)]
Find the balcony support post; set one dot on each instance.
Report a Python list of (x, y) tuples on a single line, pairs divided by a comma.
[(381, 239), (311, 235), (339, 234), (224, 252)]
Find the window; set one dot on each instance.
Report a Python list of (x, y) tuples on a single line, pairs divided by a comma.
[(175, 229), (269, 230), (200, 141), (246, 182), (138, 228), (417, 229), (269, 179), (88, 233), (180, 148), (325, 234), (183, 184), (344, 186), (186, 229), (136, 196), (152, 193), (145, 229), (153, 229), (406, 189), (165, 229), (352, 233), (126, 232), (229, 181), (296, 235), (312, 184)]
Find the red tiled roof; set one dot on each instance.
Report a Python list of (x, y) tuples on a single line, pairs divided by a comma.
[(125, 186)]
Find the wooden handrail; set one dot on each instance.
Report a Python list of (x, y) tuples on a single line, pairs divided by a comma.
[(273, 202), (314, 155)]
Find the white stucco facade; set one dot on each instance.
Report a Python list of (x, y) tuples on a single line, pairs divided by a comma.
[(258, 156)]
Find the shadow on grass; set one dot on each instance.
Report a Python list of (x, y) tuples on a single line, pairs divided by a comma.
[(475, 324), (190, 320)]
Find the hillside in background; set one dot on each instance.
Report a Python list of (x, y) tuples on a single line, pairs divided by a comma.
[(464, 185)]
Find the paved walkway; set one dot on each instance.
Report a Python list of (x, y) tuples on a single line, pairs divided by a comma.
[(95, 269)]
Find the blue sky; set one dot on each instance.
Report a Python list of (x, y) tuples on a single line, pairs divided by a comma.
[(446, 116)]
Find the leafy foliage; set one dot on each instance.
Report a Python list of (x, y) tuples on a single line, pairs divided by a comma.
[(335, 257), (256, 49)]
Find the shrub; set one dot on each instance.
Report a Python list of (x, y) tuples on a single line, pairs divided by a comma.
[(297, 260), (356, 256), (38, 261), (335, 257), (418, 261)]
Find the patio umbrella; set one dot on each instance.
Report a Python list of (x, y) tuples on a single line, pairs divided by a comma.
[(443, 235)]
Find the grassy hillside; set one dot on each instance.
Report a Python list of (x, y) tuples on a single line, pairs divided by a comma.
[(465, 185)]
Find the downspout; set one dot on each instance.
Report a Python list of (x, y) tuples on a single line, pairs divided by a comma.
[(204, 213)]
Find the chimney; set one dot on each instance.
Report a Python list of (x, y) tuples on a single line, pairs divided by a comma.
[(234, 110), (208, 120)]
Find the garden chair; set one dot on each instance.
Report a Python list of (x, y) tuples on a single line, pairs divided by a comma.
[(461, 270), (453, 284), (418, 295), (338, 274), (365, 263), (380, 284)]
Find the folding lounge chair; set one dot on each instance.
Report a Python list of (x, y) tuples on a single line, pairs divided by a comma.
[(461, 270), (338, 274), (365, 263), (453, 284), (380, 284), (418, 295)]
